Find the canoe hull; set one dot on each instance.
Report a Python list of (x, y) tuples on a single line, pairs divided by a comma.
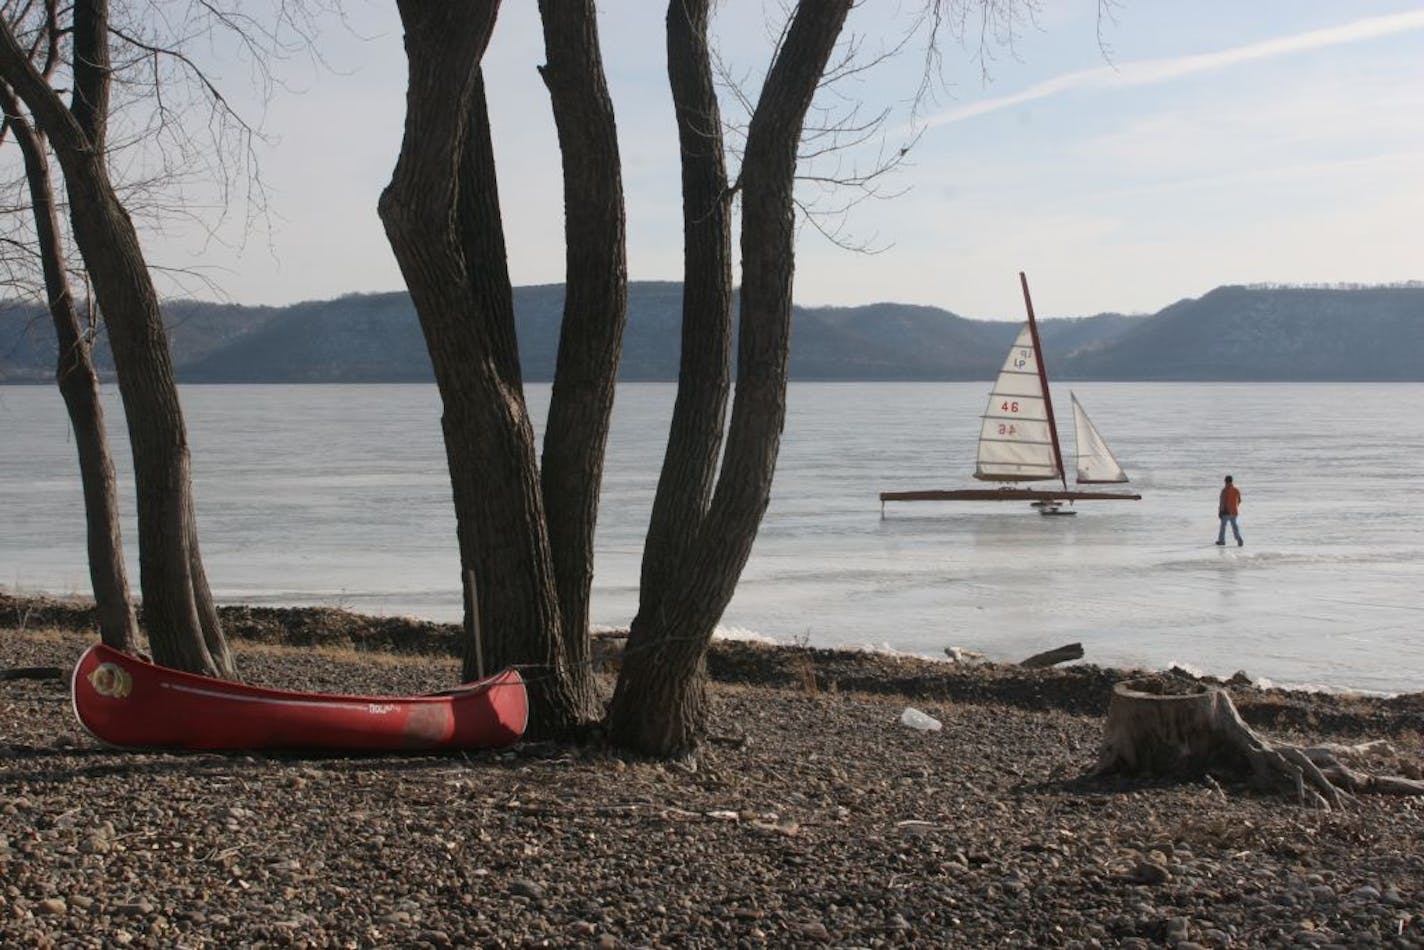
[(124, 701)]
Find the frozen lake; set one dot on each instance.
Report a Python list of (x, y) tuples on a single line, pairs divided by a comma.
[(338, 495)]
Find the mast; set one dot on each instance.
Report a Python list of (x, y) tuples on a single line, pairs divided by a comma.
[(1043, 382), (1011, 445)]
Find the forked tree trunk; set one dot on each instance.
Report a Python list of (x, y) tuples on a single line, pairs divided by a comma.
[(659, 704), (176, 600), (455, 268), (1153, 730), (178, 613), (79, 385)]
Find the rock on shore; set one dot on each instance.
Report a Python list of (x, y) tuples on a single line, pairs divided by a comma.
[(829, 823)]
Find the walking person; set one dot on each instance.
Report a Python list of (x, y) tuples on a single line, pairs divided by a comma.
[(1227, 508)]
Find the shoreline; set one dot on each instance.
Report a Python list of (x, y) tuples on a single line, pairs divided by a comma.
[(316, 624), (1080, 687)]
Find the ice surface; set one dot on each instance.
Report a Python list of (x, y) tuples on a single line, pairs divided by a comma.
[(338, 495)]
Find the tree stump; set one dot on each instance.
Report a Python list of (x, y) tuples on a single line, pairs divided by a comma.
[(1154, 730)]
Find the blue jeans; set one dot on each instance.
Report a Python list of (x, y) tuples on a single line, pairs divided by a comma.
[(1221, 535)]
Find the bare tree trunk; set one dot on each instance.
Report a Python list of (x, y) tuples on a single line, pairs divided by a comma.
[(79, 385), (203, 596), (173, 601), (659, 704), (455, 268), (704, 377), (175, 598), (595, 309)]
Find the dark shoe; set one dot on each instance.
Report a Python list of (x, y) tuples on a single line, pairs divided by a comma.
[(1221, 542), (1240, 544)]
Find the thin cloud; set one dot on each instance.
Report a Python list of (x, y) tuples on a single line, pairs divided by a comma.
[(1151, 71)]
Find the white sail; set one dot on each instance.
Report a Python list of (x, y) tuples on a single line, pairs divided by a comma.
[(1015, 444), (1095, 460)]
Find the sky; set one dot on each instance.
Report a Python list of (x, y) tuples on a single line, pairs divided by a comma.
[(1124, 163)]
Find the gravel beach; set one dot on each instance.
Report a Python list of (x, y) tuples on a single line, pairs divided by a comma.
[(813, 818)]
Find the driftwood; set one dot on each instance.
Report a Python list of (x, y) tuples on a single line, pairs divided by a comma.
[(1152, 731), (1069, 651), (32, 673)]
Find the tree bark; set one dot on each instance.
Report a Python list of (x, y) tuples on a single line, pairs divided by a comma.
[(441, 215), (79, 385), (175, 601), (704, 378), (659, 704), (595, 309)]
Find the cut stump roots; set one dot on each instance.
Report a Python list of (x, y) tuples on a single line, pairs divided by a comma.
[(1154, 731)]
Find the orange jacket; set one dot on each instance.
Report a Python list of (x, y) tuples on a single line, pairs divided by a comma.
[(1230, 501)]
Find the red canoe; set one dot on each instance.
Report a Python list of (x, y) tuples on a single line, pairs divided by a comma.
[(125, 701)]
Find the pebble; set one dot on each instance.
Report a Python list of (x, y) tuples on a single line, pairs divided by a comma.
[(522, 888), (1146, 872)]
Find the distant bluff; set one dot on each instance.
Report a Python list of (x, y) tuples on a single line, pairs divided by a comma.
[(1232, 333)]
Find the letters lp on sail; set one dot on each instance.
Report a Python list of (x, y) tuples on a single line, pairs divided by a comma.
[(1018, 439)]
